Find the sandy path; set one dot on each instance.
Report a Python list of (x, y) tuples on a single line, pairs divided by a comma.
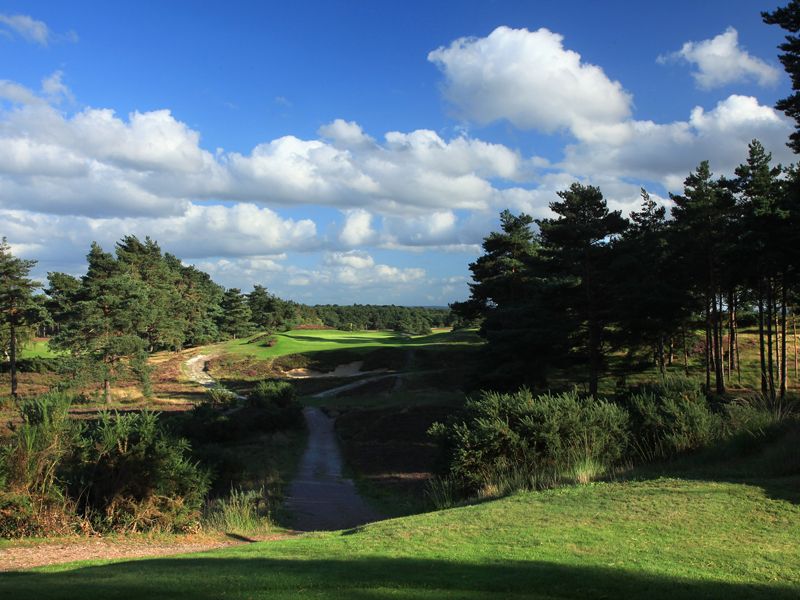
[(194, 369), (318, 497), (16, 558)]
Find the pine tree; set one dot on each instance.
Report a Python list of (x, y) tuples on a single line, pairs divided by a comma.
[(18, 308), (702, 232), (235, 319), (788, 18), (578, 244), (107, 321)]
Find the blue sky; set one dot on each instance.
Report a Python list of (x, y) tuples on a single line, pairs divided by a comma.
[(358, 152)]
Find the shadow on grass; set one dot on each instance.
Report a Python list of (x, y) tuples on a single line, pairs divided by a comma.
[(366, 578), (770, 461)]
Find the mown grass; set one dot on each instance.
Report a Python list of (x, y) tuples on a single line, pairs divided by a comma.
[(301, 341), (666, 538), (38, 348)]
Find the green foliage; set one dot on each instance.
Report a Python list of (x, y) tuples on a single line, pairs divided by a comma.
[(45, 436), (235, 316), (128, 474), (537, 438), (415, 320), (277, 405), (19, 309), (220, 397), (788, 18), (122, 472), (442, 492), (18, 516), (671, 417), (242, 512)]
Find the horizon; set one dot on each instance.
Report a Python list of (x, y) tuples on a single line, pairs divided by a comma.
[(339, 153)]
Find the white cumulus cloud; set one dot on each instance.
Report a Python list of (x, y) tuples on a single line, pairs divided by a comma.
[(530, 79), (720, 61)]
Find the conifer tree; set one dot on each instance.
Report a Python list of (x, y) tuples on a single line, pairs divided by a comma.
[(788, 18), (18, 308), (578, 244)]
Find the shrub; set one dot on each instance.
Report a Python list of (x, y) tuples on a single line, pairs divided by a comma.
[(508, 441), (221, 397), (129, 475), (18, 516), (671, 417), (276, 406)]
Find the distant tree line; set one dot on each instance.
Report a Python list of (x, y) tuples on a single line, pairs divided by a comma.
[(140, 300), (588, 281), (413, 320)]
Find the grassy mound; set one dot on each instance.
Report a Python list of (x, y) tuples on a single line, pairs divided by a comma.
[(665, 538)]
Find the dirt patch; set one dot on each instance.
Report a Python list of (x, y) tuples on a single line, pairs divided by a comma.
[(27, 556)]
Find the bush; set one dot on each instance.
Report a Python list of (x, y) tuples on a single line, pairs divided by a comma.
[(276, 405), (671, 417), (129, 475), (507, 441), (18, 517), (220, 397)]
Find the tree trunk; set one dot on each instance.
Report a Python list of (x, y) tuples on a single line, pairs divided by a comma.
[(770, 368), (736, 345), (761, 350), (708, 345), (719, 378), (794, 330), (685, 353), (12, 355), (731, 321), (783, 336)]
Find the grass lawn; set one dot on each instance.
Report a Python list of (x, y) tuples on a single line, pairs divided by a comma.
[(665, 538), (301, 341), (38, 348)]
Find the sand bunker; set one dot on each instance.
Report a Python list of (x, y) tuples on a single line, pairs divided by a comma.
[(352, 369)]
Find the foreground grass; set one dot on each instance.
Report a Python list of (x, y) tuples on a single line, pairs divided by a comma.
[(666, 538)]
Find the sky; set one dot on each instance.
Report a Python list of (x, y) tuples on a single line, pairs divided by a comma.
[(359, 152)]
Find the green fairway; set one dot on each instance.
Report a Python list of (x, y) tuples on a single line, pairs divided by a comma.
[(38, 348), (301, 341), (666, 538)]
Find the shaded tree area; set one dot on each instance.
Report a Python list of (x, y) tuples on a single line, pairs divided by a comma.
[(561, 296)]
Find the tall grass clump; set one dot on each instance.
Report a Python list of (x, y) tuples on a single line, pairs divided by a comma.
[(32, 499), (442, 492), (243, 512), (509, 441)]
